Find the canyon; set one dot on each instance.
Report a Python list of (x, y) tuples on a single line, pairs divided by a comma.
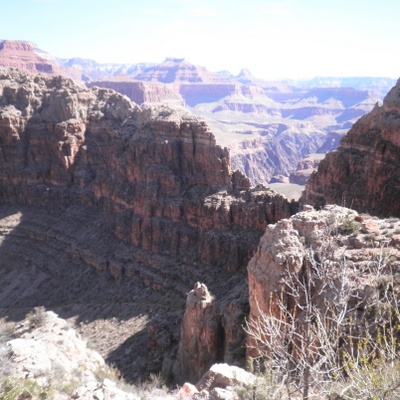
[(121, 211), (28, 56), (111, 212), (268, 126)]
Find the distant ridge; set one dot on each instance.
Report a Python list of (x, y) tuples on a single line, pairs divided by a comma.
[(27, 56)]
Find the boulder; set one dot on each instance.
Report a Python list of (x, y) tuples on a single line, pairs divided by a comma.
[(223, 376)]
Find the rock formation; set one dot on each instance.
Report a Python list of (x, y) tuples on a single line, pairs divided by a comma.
[(347, 237), (223, 375), (50, 355), (268, 126), (141, 92), (45, 357), (28, 57), (364, 172), (157, 171), (139, 194), (201, 335), (175, 70)]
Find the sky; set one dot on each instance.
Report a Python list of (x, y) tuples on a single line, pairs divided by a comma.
[(272, 38)]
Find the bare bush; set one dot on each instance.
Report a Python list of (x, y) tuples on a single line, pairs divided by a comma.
[(333, 329)]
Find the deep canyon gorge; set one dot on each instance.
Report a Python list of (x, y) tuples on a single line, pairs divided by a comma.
[(125, 207)]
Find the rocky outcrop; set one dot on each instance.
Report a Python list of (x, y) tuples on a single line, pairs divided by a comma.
[(47, 352), (364, 171), (337, 235), (46, 357), (201, 335), (141, 92), (37, 351), (222, 381), (28, 57)]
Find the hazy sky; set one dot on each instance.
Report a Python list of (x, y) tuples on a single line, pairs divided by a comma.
[(272, 38)]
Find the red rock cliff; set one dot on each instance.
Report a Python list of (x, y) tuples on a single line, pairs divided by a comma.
[(157, 172), (363, 173)]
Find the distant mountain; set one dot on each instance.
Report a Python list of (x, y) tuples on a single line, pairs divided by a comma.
[(91, 70), (269, 126), (28, 57), (175, 70), (379, 85)]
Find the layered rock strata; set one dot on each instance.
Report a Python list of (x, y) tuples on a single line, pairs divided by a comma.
[(28, 57), (155, 195), (141, 92), (363, 173), (305, 168), (157, 172)]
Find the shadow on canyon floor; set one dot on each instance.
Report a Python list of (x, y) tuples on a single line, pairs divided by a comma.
[(127, 304), (69, 261)]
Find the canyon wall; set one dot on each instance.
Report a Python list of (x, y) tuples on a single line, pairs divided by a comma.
[(157, 171), (144, 193), (363, 173)]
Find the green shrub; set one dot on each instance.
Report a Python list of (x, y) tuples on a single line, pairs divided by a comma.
[(6, 333), (349, 226), (375, 381)]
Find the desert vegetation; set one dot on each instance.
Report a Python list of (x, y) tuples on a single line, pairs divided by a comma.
[(333, 331)]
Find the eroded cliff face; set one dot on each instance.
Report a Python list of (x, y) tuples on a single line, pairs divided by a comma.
[(363, 173), (154, 176)]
